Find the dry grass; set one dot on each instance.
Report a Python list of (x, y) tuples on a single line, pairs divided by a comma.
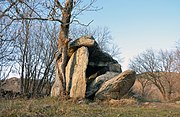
[(127, 102), (54, 107)]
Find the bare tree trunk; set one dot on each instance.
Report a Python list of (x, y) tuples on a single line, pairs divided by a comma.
[(58, 89), (24, 54)]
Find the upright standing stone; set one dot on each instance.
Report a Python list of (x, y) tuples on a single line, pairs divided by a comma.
[(69, 72), (76, 73)]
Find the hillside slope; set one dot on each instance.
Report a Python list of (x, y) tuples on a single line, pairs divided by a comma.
[(152, 86)]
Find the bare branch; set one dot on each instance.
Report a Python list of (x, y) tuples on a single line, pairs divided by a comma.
[(35, 18), (86, 8), (82, 23), (6, 10), (59, 5), (6, 26), (29, 7)]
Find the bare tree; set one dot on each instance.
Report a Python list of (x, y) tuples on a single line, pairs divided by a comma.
[(167, 64), (65, 13), (37, 62), (158, 68), (7, 40), (34, 45), (177, 56), (63, 40)]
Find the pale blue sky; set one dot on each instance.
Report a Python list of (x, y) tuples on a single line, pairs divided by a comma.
[(137, 25)]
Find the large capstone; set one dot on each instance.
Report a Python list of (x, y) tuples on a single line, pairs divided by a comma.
[(99, 61)]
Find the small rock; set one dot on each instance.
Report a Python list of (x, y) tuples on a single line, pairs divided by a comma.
[(177, 102)]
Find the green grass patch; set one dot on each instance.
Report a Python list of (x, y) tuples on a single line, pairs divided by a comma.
[(54, 107)]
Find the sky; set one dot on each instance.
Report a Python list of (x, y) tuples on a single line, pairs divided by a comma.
[(137, 25)]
